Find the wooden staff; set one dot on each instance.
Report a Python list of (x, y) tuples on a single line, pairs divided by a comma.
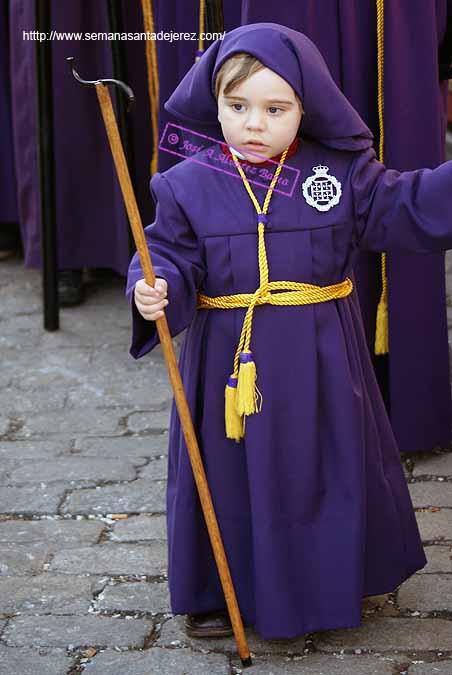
[(170, 359)]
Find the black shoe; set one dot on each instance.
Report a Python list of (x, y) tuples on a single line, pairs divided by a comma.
[(211, 624), (10, 242), (70, 288)]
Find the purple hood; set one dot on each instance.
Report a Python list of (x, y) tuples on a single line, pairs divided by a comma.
[(328, 116)]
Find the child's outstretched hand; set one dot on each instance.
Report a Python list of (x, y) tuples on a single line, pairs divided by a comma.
[(149, 300)]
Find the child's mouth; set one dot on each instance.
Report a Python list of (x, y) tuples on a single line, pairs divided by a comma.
[(253, 144)]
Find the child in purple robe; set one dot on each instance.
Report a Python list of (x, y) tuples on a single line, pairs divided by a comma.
[(310, 495)]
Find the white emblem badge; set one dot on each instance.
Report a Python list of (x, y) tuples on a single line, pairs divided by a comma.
[(321, 190)]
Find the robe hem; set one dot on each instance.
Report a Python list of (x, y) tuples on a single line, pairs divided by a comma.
[(354, 623)]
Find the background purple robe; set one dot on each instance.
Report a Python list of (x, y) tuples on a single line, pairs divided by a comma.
[(8, 203), (416, 384), (91, 223)]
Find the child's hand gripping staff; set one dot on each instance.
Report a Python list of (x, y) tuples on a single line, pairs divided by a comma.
[(146, 292), (150, 301)]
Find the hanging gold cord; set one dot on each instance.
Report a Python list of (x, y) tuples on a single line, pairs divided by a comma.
[(381, 327), (153, 79), (202, 26)]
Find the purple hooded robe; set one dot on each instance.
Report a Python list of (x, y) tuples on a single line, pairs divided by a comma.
[(414, 378), (312, 504)]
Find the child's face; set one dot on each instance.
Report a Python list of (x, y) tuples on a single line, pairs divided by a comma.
[(262, 108)]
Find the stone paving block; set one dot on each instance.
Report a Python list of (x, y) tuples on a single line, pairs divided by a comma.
[(136, 461), (137, 497), (151, 388), (73, 334), (45, 593), (320, 664), (150, 559), (33, 449), (139, 596), (23, 331), (435, 465), (4, 425), (124, 446), (85, 326), (439, 559), (382, 604), (139, 422), (19, 302), (68, 469), (31, 500), (16, 559), (5, 378), (438, 668), (431, 493), (156, 470), (77, 631), (62, 533), (389, 635), (75, 421), (173, 634), (161, 661), (116, 391), (435, 525), (139, 528), (426, 593), (14, 401), (44, 372), (19, 661)]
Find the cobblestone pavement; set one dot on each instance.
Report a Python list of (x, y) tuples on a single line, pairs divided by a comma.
[(82, 525)]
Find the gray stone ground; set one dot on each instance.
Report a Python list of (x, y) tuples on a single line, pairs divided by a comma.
[(82, 525)]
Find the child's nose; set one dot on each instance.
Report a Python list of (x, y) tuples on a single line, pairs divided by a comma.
[(255, 120)]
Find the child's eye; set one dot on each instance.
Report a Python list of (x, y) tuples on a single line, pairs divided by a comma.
[(237, 107), (273, 109)]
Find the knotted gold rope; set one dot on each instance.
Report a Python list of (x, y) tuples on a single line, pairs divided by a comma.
[(381, 326), (242, 397)]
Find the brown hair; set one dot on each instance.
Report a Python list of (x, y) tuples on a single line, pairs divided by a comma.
[(242, 65)]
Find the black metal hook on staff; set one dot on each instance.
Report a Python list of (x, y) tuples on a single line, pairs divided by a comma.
[(124, 127), (92, 83)]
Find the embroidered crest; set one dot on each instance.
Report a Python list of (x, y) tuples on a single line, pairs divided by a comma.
[(321, 190)]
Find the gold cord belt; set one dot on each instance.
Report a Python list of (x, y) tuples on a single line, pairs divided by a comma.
[(241, 392), (299, 294)]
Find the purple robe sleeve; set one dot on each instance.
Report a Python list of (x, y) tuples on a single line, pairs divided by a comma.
[(409, 211), (175, 256)]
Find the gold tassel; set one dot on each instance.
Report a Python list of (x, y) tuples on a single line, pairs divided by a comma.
[(233, 421), (246, 386), (382, 327)]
